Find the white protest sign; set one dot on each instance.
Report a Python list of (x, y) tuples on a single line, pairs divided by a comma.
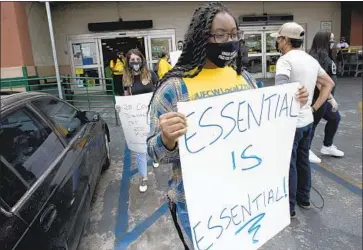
[(174, 57), (235, 162), (134, 120)]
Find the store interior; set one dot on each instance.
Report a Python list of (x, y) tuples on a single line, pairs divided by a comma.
[(110, 47)]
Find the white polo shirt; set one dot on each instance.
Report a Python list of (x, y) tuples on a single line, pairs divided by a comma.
[(300, 67)]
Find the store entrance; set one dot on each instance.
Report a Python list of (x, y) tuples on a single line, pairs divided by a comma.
[(91, 53), (110, 47), (262, 52)]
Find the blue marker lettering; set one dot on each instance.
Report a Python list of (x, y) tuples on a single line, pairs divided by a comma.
[(254, 228), (210, 125), (229, 117), (200, 239), (250, 111), (215, 227), (270, 196), (234, 216), (238, 117), (225, 217), (244, 209), (186, 138), (277, 105), (256, 199), (245, 157), (233, 161), (284, 106), (269, 105), (291, 115), (277, 195)]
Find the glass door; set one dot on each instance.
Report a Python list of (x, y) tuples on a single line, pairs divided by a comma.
[(85, 62), (254, 42), (271, 55), (156, 44)]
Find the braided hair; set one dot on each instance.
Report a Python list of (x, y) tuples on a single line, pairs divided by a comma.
[(194, 54)]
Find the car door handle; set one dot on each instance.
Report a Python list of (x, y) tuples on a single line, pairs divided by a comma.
[(48, 217)]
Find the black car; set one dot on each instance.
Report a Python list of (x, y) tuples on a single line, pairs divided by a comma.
[(51, 157)]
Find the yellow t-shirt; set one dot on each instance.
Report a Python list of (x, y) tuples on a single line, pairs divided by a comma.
[(213, 82), (117, 69), (163, 67)]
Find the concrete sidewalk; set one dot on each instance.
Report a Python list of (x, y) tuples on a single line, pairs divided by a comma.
[(122, 218)]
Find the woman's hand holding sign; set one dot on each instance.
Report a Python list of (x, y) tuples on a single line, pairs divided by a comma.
[(173, 125)]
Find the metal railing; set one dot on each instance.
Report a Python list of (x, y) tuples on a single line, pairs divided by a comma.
[(85, 93)]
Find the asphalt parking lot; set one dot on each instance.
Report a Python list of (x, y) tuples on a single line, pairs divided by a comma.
[(122, 218)]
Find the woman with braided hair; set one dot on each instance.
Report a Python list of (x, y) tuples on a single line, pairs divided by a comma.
[(210, 64)]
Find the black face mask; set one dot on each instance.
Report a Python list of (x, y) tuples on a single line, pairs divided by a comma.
[(277, 46), (135, 66), (222, 53)]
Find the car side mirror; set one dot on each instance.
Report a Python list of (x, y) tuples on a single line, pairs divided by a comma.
[(91, 116)]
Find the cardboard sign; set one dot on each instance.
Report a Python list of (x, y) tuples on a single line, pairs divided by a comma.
[(235, 162), (134, 120), (174, 57)]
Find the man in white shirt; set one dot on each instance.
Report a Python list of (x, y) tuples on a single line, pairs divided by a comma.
[(297, 66)]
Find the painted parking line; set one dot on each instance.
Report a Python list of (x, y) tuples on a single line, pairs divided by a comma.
[(139, 229), (122, 219), (339, 178), (124, 238)]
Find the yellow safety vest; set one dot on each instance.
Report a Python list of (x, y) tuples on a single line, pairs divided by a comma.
[(117, 69)]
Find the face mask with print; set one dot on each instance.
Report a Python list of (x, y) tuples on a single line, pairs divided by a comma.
[(135, 66), (222, 53)]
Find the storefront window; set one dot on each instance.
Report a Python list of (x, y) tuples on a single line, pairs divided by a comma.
[(271, 63), (270, 44), (84, 54), (91, 81), (159, 45), (254, 43)]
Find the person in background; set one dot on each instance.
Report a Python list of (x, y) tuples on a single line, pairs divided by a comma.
[(295, 65), (201, 68), (244, 52), (108, 74), (321, 51), (343, 44), (117, 66), (180, 45), (163, 66), (138, 79)]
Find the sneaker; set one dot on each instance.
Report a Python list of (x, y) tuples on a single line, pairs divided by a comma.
[(304, 205), (313, 158), (293, 215), (332, 151), (143, 185), (155, 164)]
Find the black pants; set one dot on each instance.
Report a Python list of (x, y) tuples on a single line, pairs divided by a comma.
[(117, 85), (333, 118)]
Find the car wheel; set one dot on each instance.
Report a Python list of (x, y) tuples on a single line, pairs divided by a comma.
[(108, 154)]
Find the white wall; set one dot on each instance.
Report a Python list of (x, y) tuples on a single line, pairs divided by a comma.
[(73, 18), (39, 33)]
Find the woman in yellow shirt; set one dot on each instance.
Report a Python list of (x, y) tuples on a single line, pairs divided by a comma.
[(163, 65), (210, 64), (117, 66)]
